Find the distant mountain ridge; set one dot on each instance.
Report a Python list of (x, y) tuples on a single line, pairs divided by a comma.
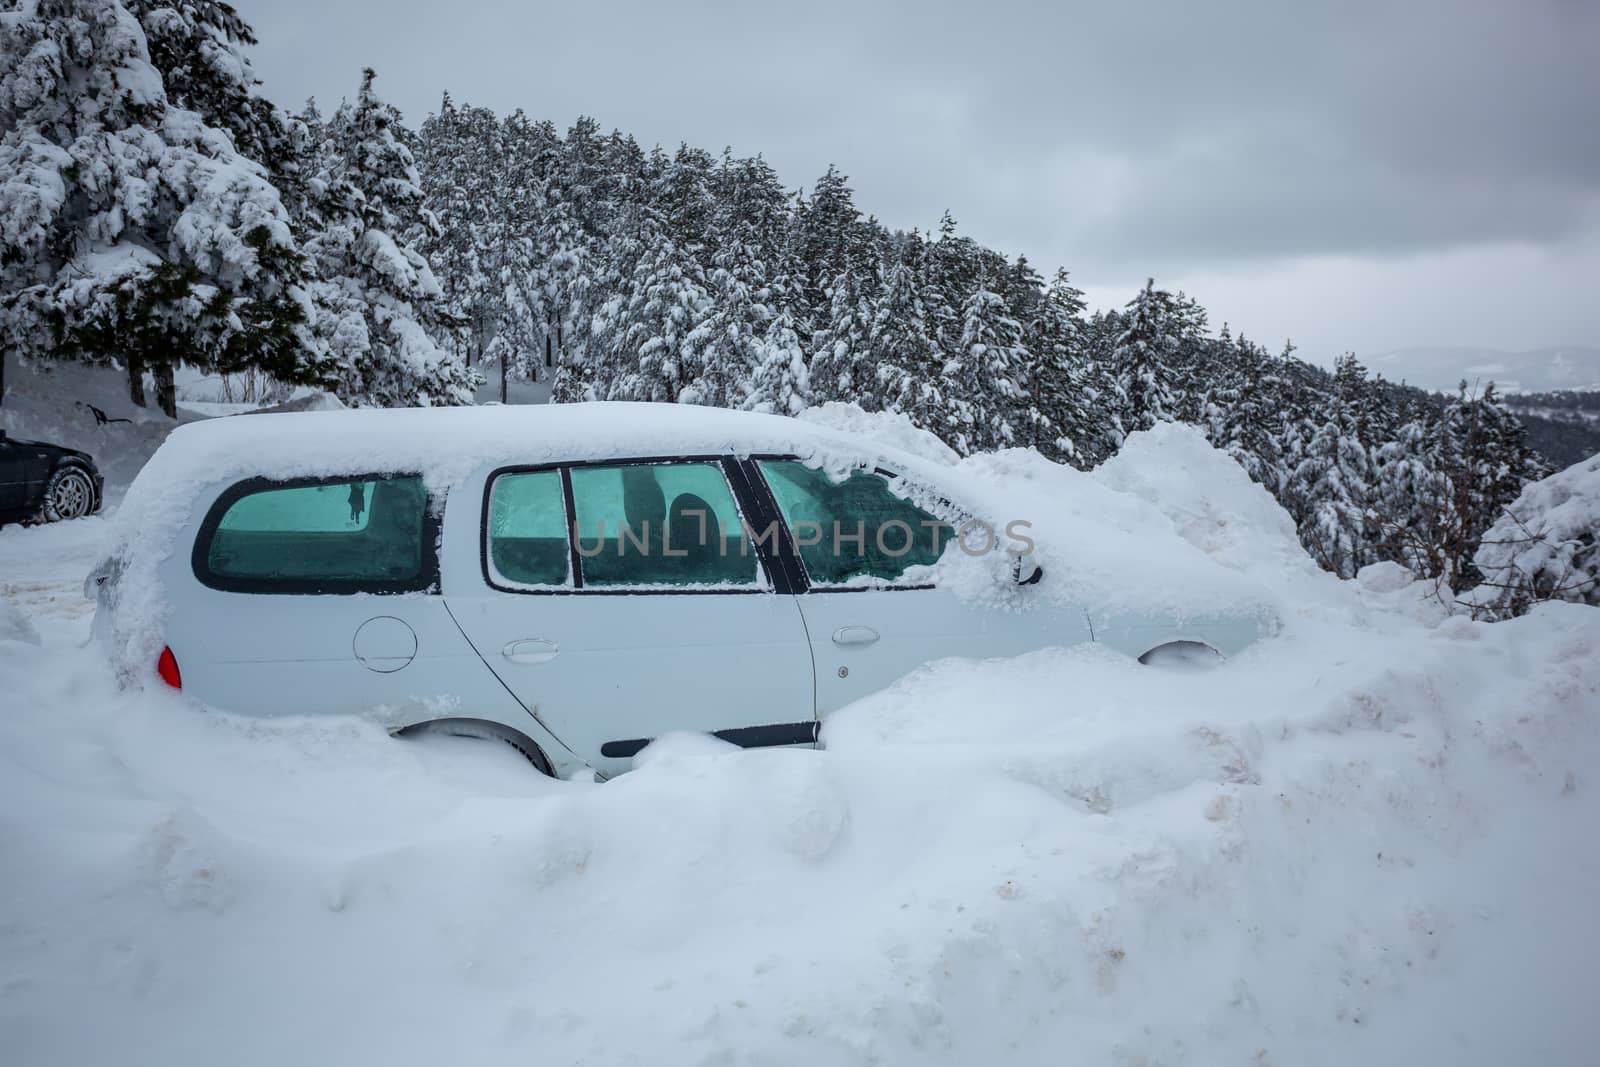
[(1537, 370)]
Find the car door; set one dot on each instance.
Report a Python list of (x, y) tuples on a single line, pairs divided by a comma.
[(872, 603), (621, 601), (13, 484)]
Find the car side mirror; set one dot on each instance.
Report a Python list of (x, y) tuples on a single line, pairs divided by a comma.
[(1025, 570)]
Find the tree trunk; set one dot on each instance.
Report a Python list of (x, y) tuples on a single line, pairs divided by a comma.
[(504, 359), (136, 380), (166, 390)]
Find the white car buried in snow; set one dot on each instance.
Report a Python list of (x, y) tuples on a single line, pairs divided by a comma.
[(577, 580)]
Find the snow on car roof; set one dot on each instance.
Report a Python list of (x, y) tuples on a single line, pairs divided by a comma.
[(445, 443)]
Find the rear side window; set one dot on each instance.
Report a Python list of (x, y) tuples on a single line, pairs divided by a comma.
[(372, 533), (528, 543), (660, 524), (854, 532)]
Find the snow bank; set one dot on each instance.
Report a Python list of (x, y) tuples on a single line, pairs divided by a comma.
[(892, 428), (1364, 841), (1207, 498), (14, 625)]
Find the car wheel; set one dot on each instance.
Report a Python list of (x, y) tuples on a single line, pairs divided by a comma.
[(68, 495)]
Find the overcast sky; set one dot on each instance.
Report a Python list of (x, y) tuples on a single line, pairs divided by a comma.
[(1373, 176)]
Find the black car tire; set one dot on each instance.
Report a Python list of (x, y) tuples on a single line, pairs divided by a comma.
[(69, 494)]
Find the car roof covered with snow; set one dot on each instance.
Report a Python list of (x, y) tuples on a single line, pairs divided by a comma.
[(445, 444)]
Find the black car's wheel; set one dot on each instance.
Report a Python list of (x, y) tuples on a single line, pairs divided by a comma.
[(69, 494)]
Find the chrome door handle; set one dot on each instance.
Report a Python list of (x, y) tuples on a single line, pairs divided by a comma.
[(854, 635), (531, 650)]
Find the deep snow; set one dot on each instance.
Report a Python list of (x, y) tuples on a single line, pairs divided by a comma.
[(1368, 839)]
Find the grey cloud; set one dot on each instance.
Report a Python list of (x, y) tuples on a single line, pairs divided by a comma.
[(1117, 139)]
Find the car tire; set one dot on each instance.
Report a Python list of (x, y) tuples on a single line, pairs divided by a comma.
[(69, 494)]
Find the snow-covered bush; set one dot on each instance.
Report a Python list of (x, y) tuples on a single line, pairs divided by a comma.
[(1545, 547)]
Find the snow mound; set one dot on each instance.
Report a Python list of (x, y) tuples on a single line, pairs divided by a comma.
[(14, 625), (888, 427), (1209, 500), (1386, 576)]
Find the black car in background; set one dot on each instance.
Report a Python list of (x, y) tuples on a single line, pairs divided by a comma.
[(46, 483)]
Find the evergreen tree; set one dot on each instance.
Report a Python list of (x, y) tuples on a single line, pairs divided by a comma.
[(951, 275), (1481, 450), (844, 364), (977, 381), (831, 240), (781, 382), (375, 292), (1332, 484), (1410, 500), (726, 345), (1240, 415), (909, 366), (643, 349), (133, 229), (1141, 357), (201, 49), (1060, 418)]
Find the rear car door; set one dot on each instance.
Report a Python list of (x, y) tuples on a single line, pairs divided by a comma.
[(619, 601), (872, 603)]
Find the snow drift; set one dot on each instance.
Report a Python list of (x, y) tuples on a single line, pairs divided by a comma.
[(1364, 840)]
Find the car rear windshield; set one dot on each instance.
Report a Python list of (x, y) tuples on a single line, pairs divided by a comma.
[(367, 533)]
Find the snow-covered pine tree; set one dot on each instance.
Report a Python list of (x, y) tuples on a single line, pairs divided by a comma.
[(1410, 500), (978, 383), (133, 230), (909, 364), (460, 157), (1141, 359), (781, 383), (1352, 382), (1332, 483), (643, 350), (745, 234), (830, 239), (844, 364), (1191, 366), (1481, 448), (1060, 420), (375, 293), (725, 346), (1240, 416), (952, 273), (687, 206), (201, 48)]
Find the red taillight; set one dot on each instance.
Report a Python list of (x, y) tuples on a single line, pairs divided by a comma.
[(167, 667)]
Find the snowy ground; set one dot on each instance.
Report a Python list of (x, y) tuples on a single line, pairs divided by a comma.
[(1370, 839)]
